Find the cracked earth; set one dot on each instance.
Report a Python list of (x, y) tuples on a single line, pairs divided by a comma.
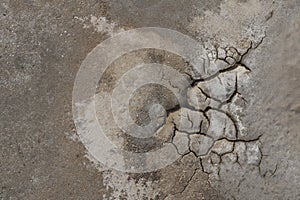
[(206, 128), (234, 126)]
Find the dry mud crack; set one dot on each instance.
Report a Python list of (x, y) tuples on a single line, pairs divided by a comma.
[(230, 124), (207, 130), (203, 125)]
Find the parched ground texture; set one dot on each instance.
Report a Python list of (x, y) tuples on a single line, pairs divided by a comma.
[(236, 134)]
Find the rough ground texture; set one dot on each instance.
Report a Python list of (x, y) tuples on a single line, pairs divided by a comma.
[(237, 135)]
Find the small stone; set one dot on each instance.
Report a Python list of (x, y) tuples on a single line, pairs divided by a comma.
[(200, 144), (222, 147), (221, 53), (181, 141), (233, 53)]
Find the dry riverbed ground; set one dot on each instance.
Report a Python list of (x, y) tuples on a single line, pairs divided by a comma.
[(237, 134)]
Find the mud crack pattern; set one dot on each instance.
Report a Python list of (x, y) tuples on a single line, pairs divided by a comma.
[(149, 114), (205, 127)]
